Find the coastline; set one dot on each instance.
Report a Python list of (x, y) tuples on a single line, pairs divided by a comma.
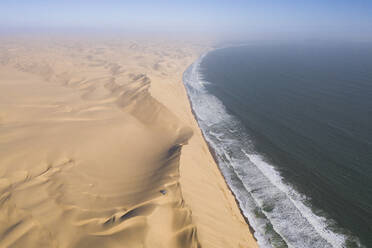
[(203, 186), (213, 153)]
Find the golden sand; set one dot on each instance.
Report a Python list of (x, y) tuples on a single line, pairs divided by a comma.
[(99, 148)]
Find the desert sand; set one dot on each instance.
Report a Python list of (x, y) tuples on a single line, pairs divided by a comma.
[(99, 148)]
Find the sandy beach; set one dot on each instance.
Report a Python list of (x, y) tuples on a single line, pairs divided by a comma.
[(99, 148)]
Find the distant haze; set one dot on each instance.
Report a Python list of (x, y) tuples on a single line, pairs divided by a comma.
[(293, 18)]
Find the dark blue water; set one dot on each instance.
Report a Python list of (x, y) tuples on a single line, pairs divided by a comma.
[(291, 126)]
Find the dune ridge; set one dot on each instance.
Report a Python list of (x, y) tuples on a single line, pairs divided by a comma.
[(98, 147)]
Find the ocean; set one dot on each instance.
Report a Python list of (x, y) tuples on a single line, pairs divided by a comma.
[(290, 125)]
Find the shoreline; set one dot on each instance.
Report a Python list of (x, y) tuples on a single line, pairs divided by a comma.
[(213, 153), (215, 210)]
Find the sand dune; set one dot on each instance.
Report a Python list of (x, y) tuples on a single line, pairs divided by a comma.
[(98, 148)]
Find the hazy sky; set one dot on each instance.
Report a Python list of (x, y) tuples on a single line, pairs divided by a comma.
[(244, 16)]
